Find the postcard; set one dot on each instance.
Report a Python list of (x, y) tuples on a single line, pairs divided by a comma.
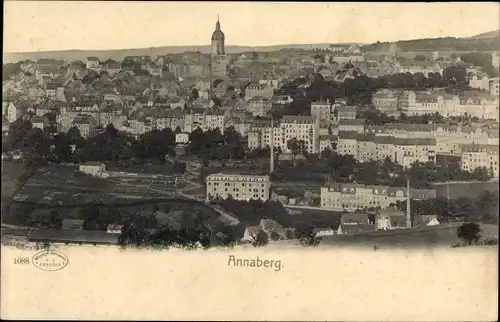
[(244, 161)]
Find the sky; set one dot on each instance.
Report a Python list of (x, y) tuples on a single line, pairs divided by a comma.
[(94, 25)]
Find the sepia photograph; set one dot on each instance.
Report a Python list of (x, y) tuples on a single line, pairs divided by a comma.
[(262, 161)]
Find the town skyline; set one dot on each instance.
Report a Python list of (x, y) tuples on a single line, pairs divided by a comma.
[(355, 24)]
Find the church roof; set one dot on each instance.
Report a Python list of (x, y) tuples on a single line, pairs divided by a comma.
[(218, 34)]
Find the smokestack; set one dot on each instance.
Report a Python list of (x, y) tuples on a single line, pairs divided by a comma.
[(408, 205), (271, 157)]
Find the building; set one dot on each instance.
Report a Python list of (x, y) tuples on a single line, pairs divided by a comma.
[(495, 61), (92, 168), (92, 63), (346, 113), (322, 110), (352, 197), (114, 229), (480, 156), (38, 122), (301, 128), (493, 87), (425, 220), (386, 101), (354, 223), (72, 224), (239, 187), (347, 143), (218, 39), (479, 82), (390, 218), (259, 106), (253, 90), (328, 142), (182, 138), (356, 125), (87, 125)]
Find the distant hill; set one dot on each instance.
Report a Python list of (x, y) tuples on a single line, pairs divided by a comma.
[(485, 35), (483, 42), (119, 54)]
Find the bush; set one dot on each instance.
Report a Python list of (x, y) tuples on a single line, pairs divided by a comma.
[(275, 236), (307, 237), (489, 241)]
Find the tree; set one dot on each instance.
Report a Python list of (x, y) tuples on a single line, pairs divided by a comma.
[(55, 220), (469, 232), (261, 239), (18, 131)]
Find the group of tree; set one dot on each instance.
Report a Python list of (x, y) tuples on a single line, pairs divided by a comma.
[(360, 89), (213, 144), (329, 165), (481, 59), (108, 145), (483, 208), (436, 44), (252, 212), (373, 116)]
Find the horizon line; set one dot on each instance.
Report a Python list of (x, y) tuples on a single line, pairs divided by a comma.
[(237, 45)]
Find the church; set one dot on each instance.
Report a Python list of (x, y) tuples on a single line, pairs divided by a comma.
[(219, 60)]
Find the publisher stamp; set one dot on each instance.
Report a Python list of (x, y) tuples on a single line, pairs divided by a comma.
[(50, 260)]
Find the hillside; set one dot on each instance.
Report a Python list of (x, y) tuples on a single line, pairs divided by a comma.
[(119, 54), (485, 35), (481, 42)]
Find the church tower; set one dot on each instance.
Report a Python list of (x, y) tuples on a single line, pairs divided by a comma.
[(218, 40)]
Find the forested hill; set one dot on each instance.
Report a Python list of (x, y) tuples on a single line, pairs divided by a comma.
[(437, 44)]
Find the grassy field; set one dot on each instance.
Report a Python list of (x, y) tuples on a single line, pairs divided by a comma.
[(464, 189), (149, 168), (65, 185), (442, 235), (12, 178), (315, 218)]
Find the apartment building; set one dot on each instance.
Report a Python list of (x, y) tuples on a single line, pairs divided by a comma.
[(351, 197), (254, 90), (304, 128), (366, 148), (408, 151), (327, 142), (260, 133), (369, 146), (469, 104), (87, 125), (322, 110), (356, 125), (346, 113), (386, 101), (347, 144), (194, 119), (239, 187), (479, 156), (259, 106), (215, 119)]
